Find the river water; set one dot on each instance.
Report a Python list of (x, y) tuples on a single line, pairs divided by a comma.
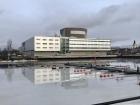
[(56, 84)]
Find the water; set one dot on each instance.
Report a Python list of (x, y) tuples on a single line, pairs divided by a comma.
[(52, 85)]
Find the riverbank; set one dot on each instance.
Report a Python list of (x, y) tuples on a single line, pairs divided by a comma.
[(18, 63)]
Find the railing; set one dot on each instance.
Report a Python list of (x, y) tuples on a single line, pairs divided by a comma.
[(118, 101)]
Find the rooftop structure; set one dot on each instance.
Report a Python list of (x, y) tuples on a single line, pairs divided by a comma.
[(74, 32)]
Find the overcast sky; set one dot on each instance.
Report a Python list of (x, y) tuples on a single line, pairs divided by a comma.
[(118, 20)]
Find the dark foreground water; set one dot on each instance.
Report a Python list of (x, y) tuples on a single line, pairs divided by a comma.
[(51, 85)]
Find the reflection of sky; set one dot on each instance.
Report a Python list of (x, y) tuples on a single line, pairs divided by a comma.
[(130, 64), (42, 75), (21, 91), (29, 17)]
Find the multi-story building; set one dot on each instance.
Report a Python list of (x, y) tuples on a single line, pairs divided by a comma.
[(39, 46), (43, 75), (89, 47), (69, 44)]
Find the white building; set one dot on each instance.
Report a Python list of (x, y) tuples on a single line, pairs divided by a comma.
[(84, 44), (39, 45), (45, 47), (43, 75)]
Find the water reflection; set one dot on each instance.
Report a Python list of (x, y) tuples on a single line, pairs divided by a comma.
[(68, 77), (9, 74), (81, 83), (64, 84)]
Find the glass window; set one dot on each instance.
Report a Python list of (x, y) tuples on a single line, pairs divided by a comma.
[(38, 43), (56, 40), (44, 39), (44, 43), (51, 47), (50, 39), (50, 43)]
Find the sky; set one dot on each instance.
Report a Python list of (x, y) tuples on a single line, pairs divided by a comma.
[(117, 20)]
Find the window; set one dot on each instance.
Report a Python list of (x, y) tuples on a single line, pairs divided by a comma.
[(37, 39), (57, 78), (39, 76), (50, 43), (38, 47), (50, 47), (56, 74), (56, 43), (44, 79), (56, 47), (38, 43), (50, 75), (50, 79), (50, 39), (44, 39), (45, 47), (56, 40), (44, 43)]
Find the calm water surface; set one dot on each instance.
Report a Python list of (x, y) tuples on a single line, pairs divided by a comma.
[(51, 85)]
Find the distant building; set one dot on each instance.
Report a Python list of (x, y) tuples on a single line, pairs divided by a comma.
[(134, 45), (39, 46), (46, 75), (65, 45)]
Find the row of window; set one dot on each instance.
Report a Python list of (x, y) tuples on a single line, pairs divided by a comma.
[(89, 41), (49, 75), (89, 48), (91, 44), (49, 43), (49, 39), (45, 79), (47, 47)]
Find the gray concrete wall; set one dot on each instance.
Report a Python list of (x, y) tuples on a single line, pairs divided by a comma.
[(92, 53), (45, 54), (72, 54)]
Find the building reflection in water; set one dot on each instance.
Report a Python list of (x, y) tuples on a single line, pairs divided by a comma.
[(9, 74), (80, 83), (66, 76)]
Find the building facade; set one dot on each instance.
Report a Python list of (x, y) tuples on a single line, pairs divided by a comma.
[(38, 46), (45, 47), (66, 45), (43, 75), (89, 44)]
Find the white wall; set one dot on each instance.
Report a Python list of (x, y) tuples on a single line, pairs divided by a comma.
[(47, 43), (42, 43), (89, 44)]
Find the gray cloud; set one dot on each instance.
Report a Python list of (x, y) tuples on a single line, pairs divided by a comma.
[(117, 22), (1, 11)]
